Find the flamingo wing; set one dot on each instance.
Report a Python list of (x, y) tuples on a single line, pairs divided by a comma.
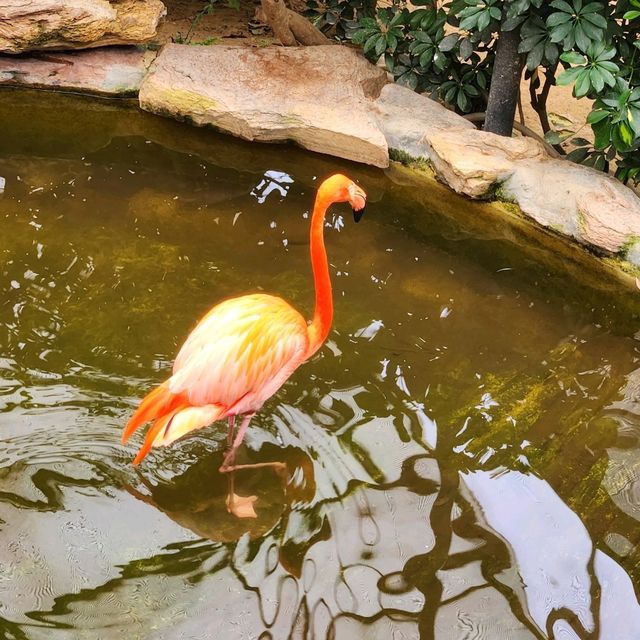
[(238, 351)]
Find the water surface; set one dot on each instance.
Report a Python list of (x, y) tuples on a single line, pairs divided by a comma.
[(462, 454)]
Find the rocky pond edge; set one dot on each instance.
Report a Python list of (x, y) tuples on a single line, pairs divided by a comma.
[(330, 100)]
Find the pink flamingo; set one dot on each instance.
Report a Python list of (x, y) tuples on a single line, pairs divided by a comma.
[(243, 350)]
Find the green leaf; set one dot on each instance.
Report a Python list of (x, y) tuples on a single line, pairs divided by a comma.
[(623, 97), (602, 133), (561, 32), (592, 32), (609, 66), (450, 94), (578, 155), (426, 57), (626, 133), (559, 17), (631, 15), (511, 23), (551, 52), (398, 19), (568, 76), (597, 116), (462, 101), (596, 79), (582, 39), (371, 42), (535, 57), (633, 117), (572, 57), (448, 42), (596, 19), (484, 20), (552, 137), (439, 60), (531, 42), (583, 84), (408, 79), (466, 48), (562, 5), (606, 75), (592, 7)]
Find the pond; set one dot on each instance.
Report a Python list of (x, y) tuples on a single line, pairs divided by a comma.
[(462, 456)]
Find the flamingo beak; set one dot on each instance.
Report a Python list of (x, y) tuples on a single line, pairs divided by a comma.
[(357, 199)]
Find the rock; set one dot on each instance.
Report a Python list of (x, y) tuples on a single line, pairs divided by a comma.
[(406, 119), (113, 71), (76, 24), (474, 162), (318, 96), (574, 200), (580, 202)]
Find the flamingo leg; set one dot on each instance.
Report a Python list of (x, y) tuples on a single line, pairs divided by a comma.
[(231, 421), (227, 464)]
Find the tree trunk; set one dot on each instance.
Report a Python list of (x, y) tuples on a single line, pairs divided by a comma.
[(288, 26), (505, 84)]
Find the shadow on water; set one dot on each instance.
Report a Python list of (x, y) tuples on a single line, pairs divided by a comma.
[(461, 456)]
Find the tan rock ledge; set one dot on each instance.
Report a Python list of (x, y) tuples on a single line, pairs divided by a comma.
[(573, 200), (76, 24), (108, 71), (318, 97)]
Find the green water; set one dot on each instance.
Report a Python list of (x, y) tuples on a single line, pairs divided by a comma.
[(462, 455)]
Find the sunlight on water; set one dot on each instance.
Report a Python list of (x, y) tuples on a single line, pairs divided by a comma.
[(462, 455)]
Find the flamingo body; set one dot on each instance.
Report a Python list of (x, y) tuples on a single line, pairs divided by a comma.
[(243, 350)]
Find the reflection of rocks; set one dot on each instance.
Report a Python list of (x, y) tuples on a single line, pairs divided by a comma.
[(555, 578), (89, 126), (622, 478), (47, 24)]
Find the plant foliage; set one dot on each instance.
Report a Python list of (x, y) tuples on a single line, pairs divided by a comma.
[(448, 51)]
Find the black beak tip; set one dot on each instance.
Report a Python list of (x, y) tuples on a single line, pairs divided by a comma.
[(357, 215)]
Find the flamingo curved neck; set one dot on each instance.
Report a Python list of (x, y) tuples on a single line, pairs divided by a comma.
[(321, 324)]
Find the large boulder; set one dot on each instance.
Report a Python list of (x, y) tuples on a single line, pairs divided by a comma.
[(474, 162), (578, 201), (407, 119), (111, 71), (319, 97), (76, 24)]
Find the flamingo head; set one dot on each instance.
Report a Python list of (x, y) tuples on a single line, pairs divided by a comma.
[(339, 188)]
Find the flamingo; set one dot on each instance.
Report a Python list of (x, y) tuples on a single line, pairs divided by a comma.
[(243, 351)]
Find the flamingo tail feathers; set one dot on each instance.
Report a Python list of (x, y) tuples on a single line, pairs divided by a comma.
[(156, 404), (177, 423)]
